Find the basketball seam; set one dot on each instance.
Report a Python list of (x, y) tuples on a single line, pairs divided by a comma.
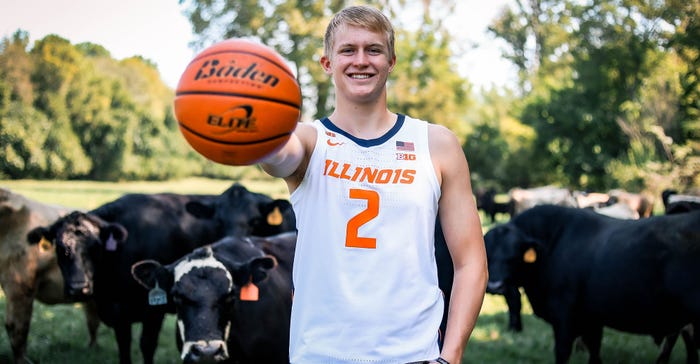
[(247, 96), (200, 135), (273, 61)]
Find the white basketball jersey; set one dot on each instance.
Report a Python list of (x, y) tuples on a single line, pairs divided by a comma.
[(365, 279)]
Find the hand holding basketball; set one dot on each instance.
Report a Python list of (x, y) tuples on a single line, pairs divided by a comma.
[(237, 102)]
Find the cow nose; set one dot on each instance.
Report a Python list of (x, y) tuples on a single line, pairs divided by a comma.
[(78, 290), (494, 287), (206, 352)]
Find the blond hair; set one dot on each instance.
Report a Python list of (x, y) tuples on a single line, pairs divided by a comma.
[(362, 16)]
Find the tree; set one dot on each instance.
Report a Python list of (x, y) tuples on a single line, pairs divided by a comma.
[(292, 28), (591, 115)]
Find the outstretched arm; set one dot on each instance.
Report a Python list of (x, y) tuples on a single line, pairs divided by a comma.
[(291, 160)]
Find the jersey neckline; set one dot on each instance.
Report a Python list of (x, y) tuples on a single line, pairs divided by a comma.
[(366, 142)]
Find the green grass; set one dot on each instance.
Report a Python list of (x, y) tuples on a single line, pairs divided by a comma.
[(59, 335)]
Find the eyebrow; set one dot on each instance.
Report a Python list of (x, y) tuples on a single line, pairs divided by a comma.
[(343, 45)]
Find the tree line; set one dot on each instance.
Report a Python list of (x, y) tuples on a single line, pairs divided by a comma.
[(607, 93)]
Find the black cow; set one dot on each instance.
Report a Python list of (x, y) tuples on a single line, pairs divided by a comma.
[(242, 212), (675, 203), (96, 250), (582, 271), (486, 202), (218, 317)]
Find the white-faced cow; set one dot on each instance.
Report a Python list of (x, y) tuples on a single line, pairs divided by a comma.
[(233, 298), (96, 250), (582, 271), (29, 272)]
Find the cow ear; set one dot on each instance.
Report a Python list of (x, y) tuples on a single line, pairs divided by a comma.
[(112, 236), (260, 266), (39, 235), (200, 210), (149, 272), (253, 271), (530, 255)]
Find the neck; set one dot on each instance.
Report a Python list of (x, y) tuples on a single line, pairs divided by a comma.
[(363, 120)]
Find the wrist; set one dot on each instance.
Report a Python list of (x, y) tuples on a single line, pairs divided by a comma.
[(441, 360)]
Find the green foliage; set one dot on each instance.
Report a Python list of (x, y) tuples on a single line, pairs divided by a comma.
[(611, 89), (72, 111), (498, 147), (424, 83)]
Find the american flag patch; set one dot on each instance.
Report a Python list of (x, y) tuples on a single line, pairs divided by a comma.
[(405, 146)]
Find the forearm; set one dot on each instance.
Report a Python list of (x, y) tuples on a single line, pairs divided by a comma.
[(468, 291)]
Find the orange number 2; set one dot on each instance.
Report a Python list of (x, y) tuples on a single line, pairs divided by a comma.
[(352, 240)]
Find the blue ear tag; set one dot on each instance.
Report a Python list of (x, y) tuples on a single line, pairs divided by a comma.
[(111, 244), (157, 296)]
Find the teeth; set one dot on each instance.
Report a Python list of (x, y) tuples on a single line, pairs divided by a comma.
[(360, 76)]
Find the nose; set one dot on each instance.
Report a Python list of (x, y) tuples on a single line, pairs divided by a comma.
[(207, 352), (361, 57), (78, 289), (495, 287)]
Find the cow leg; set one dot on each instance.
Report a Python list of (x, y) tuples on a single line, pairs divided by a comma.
[(512, 295), (93, 321), (592, 337), (563, 343), (149, 336), (667, 344), (688, 334), (122, 330), (19, 301)]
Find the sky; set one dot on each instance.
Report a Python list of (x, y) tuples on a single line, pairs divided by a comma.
[(158, 31)]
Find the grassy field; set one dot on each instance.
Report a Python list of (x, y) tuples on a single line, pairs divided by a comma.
[(59, 335)]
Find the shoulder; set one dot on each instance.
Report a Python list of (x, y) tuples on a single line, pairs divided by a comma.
[(307, 133), (442, 141), (446, 152)]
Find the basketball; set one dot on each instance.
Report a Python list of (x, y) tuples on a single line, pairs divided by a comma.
[(237, 102)]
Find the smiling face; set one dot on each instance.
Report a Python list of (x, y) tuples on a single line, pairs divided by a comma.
[(359, 63), (359, 54)]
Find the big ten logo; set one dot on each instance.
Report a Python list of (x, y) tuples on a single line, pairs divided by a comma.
[(237, 119), (405, 157)]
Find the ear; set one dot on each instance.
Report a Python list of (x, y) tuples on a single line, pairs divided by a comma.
[(200, 210), (392, 63), (260, 266), (326, 64), (112, 236), (253, 271), (148, 272), (38, 234)]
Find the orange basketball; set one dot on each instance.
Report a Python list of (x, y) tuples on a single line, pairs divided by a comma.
[(237, 102)]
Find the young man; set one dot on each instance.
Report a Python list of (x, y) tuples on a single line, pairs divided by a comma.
[(366, 185)]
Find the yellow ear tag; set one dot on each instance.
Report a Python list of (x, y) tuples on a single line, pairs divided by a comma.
[(44, 244), (274, 218), (530, 256), (249, 292)]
